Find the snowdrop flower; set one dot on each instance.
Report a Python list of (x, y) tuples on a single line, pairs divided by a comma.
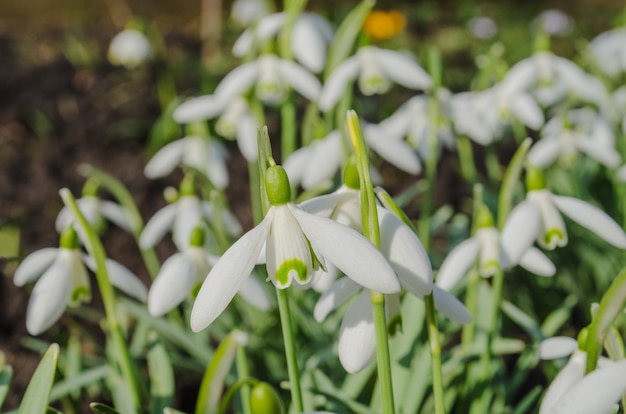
[(62, 281), (182, 217), (184, 271), (205, 155), (511, 103), (482, 27), (583, 130), (494, 250), (95, 211), (310, 37), (246, 12), (129, 48), (548, 225), (235, 120), (471, 116), (375, 69), (573, 392), (293, 239), (609, 51), (554, 22), (271, 78)]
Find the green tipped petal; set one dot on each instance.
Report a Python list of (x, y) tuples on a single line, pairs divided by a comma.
[(284, 272)]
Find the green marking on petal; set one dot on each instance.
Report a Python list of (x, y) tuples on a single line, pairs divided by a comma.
[(553, 234), (297, 265), (79, 295), (394, 325), (489, 268)]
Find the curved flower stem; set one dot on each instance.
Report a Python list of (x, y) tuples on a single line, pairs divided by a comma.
[(466, 159), (108, 297), (243, 372), (435, 353), (286, 323)]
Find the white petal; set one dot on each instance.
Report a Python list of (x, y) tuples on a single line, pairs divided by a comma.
[(336, 83), (34, 265), (552, 231), (50, 296), (571, 374), (166, 159), (227, 276), (557, 347), (253, 291), (536, 262), (520, 231), (601, 152), (157, 226), (322, 280), (216, 166), (334, 297), (527, 111), (597, 392), (352, 253), (450, 306), (246, 137), (323, 205), (308, 46), (324, 161), (592, 218), (200, 108), (231, 225), (116, 214), (456, 264), (188, 217), (405, 253), (397, 152), (300, 79), (126, 281), (402, 69), (357, 335), (237, 81), (544, 152), (172, 285)]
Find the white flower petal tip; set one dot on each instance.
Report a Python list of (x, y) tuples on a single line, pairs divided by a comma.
[(592, 218), (196, 109), (255, 294), (557, 347), (336, 294), (357, 335), (34, 265), (172, 285), (457, 263), (520, 231), (538, 263), (126, 281), (451, 307)]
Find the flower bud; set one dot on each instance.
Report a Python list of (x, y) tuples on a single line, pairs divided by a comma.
[(277, 185), (534, 179), (265, 400)]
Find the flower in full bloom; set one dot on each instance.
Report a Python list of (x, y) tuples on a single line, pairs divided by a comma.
[(185, 270), (129, 48), (375, 69), (494, 250), (310, 37), (62, 281), (95, 211), (205, 155), (293, 240), (548, 225)]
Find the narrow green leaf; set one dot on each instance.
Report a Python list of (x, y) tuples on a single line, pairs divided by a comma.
[(524, 320), (161, 375), (122, 395), (510, 180), (37, 394), (557, 318), (5, 381), (75, 383), (327, 388), (528, 401), (99, 408)]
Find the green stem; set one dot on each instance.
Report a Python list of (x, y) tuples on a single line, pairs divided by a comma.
[(290, 349), (382, 352), (243, 372), (108, 297), (288, 127), (466, 159), (435, 353), (255, 191)]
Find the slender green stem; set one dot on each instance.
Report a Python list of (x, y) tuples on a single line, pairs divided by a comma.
[(435, 353), (108, 297), (290, 349), (466, 159), (288, 127), (382, 352), (243, 372)]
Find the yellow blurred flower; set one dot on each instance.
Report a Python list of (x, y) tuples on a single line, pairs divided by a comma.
[(383, 25)]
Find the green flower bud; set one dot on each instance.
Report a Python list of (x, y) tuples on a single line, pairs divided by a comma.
[(534, 179), (265, 400), (197, 237), (277, 185), (186, 186), (582, 338), (69, 239), (351, 174), (484, 218)]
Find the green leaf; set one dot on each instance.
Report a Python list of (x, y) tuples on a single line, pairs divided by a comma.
[(524, 320), (122, 395), (75, 383), (37, 394), (510, 180), (5, 380), (161, 375), (99, 408)]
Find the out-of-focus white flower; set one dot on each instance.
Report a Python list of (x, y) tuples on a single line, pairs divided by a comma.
[(62, 281), (583, 130), (95, 210), (292, 238), (609, 51), (555, 22), (246, 12), (310, 37), (494, 250), (129, 48), (271, 77), (204, 154), (482, 27), (375, 69), (470, 116), (181, 218), (235, 119)]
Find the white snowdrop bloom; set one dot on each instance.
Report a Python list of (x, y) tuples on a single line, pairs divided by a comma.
[(95, 211), (482, 27), (555, 22), (271, 77), (129, 48), (292, 239), (582, 130), (573, 392), (505, 103), (181, 218), (235, 119), (310, 37), (205, 155), (470, 115), (494, 250), (548, 224), (185, 270), (246, 12), (375, 69), (62, 281), (609, 51)]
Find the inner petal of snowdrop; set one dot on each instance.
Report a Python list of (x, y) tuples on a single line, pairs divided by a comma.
[(553, 232), (270, 88), (372, 79), (489, 259)]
